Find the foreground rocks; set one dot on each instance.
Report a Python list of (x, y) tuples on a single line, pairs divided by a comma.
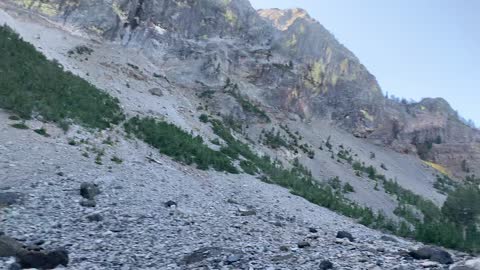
[(432, 253), (32, 257)]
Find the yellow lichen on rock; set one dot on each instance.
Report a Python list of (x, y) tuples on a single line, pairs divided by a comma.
[(438, 167)]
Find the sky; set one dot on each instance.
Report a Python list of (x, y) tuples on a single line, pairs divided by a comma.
[(415, 49)]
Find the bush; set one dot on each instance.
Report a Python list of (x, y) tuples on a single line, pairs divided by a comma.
[(347, 188), (29, 83), (178, 144), (248, 167), (20, 126), (203, 118)]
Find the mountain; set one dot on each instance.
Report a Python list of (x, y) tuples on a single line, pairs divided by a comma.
[(219, 136)]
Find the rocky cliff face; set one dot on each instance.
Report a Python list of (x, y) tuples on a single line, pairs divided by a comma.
[(299, 66)]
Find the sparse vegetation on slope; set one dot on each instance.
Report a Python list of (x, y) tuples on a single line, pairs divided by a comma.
[(32, 85), (178, 144)]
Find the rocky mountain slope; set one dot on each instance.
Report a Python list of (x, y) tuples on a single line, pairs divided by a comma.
[(281, 83)]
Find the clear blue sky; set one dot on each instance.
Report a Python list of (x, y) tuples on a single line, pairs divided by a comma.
[(428, 48)]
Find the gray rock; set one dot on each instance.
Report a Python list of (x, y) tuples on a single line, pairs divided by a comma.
[(344, 234), (303, 244), (43, 260), (88, 203), (156, 92), (89, 190), (432, 253), (9, 247), (325, 265), (10, 198), (96, 217)]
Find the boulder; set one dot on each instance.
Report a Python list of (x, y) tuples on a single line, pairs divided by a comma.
[(9, 247), (325, 265), (43, 260), (347, 235), (473, 264), (89, 190), (432, 253)]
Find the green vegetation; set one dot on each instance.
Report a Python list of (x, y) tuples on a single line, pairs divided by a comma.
[(246, 104), (274, 140), (14, 118), (300, 181), (347, 188), (20, 126), (203, 118), (178, 144), (30, 84), (116, 160)]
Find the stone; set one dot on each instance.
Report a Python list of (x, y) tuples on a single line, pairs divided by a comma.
[(95, 217), (170, 204), (233, 258), (325, 265), (387, 238), (10, 198), (312, 230), (432, 253), (88, 203), (303, 244), (156, 92), (43, 260), (15, 266), (473, 263), (246, 212), (9, 247), (89, 190), (344, 234)]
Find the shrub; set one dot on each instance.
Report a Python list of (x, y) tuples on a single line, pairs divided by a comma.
[(20, 126), (29, 83), (203, 118), (347, 188), (178, 144), (248, 167), (117, 160)]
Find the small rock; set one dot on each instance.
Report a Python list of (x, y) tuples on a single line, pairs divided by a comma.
[(233, 258), (156, 92), (96, 217), (246, 212), (284, 248), (170, 204), (344, 234), (303, 244), (388, 238), (89, 190), (325, 265), (88, 203), (312, 230)]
